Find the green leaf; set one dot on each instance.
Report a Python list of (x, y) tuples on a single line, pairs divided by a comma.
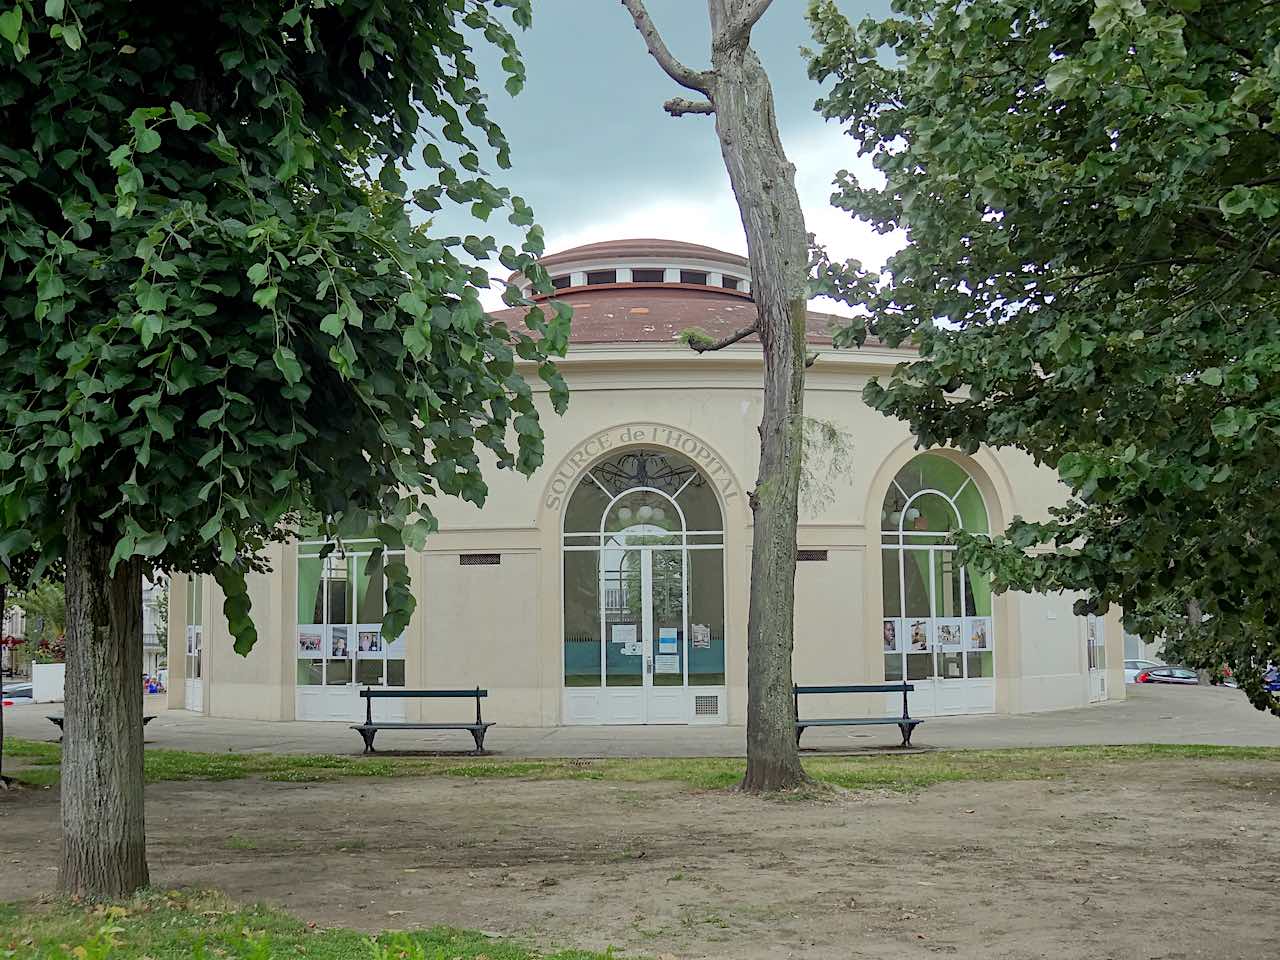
[(226, 545), (287, 363), (148, 140), (126, 547), (184, 119), (153, 544), (11, 24), (415, 342), (1061, 78), (1237, 201), (333, 324), (1212, 376), (53, 9)]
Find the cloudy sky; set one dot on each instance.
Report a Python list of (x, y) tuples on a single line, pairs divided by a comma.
[(598, 159)]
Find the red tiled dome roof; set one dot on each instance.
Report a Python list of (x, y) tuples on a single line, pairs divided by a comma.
[(640, 313)]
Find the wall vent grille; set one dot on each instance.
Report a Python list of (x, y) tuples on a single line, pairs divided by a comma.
[(706, 705), (811, 555), (479, 559)]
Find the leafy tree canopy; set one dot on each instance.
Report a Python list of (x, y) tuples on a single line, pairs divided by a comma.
[(218, 312), (1091, 191)]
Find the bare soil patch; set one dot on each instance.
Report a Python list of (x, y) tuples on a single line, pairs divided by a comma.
[(1160, 859)]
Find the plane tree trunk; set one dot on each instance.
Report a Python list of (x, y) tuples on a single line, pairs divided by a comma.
[(738, 93), (103, 847)]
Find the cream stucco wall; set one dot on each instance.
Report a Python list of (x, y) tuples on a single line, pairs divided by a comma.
[(499, 626)]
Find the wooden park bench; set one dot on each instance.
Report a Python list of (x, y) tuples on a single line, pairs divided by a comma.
[(904, 723), (369, 729), (58, 721)]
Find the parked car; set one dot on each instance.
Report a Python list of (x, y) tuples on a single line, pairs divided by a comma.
[(1167, 675), (1271, 680), (16, 693), (1134, 667)]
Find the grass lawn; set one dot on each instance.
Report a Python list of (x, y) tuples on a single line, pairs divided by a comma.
[(37, 762), (205, 926)]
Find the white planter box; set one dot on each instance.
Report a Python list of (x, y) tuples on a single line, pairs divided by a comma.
[(46, 682)]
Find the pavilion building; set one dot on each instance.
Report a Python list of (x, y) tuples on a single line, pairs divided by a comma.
[(612, 586)]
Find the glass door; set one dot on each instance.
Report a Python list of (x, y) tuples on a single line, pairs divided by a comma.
[(622, 613), (194, 683), (1096, 650), (664, 640)]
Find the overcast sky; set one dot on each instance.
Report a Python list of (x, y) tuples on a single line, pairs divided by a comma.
[(598, 159)]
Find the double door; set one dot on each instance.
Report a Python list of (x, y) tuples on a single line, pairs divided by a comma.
[(643, 601)]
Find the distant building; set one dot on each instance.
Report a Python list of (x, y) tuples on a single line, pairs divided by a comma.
[(154, 633), (612, 587)]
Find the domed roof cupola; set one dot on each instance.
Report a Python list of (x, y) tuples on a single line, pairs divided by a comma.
[(665, 264), (650, 292)]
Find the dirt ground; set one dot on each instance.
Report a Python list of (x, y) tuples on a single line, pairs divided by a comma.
[(1167, 859)]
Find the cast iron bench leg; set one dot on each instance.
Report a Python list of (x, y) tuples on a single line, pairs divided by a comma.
[(478, 737), (368, 736), (906, 729)]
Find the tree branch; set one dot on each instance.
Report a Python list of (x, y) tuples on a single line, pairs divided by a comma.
[(677, 71), (701, 343), (679, 106), (747, 14)]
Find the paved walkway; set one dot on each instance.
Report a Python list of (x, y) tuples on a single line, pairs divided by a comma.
[(1152, 714)]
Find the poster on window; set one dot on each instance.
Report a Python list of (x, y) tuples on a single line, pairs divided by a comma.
[(892, 635), (623, 633), (668, 640), (369, 641), (666, 663), (191, 641), (918, 632), (701, 638), (948, 633), (977, 631), (339, 642), (310, 642), (395, 649)]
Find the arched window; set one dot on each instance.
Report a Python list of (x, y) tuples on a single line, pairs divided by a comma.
[(643, 575), (937, 613)]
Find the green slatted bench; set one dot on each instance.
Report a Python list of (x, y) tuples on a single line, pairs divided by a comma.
[(904, 723), (369, 729)]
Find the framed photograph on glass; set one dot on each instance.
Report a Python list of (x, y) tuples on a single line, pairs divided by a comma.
[(977, 633), (339, 641), (310, 642), (948, 633), (918, 634), (369, 641), (892, 635)]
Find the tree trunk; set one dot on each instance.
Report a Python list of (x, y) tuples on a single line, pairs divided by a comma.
[(763, 181), (103, 846)]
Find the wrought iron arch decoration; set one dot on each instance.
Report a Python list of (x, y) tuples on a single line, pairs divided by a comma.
[(647, 468)]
